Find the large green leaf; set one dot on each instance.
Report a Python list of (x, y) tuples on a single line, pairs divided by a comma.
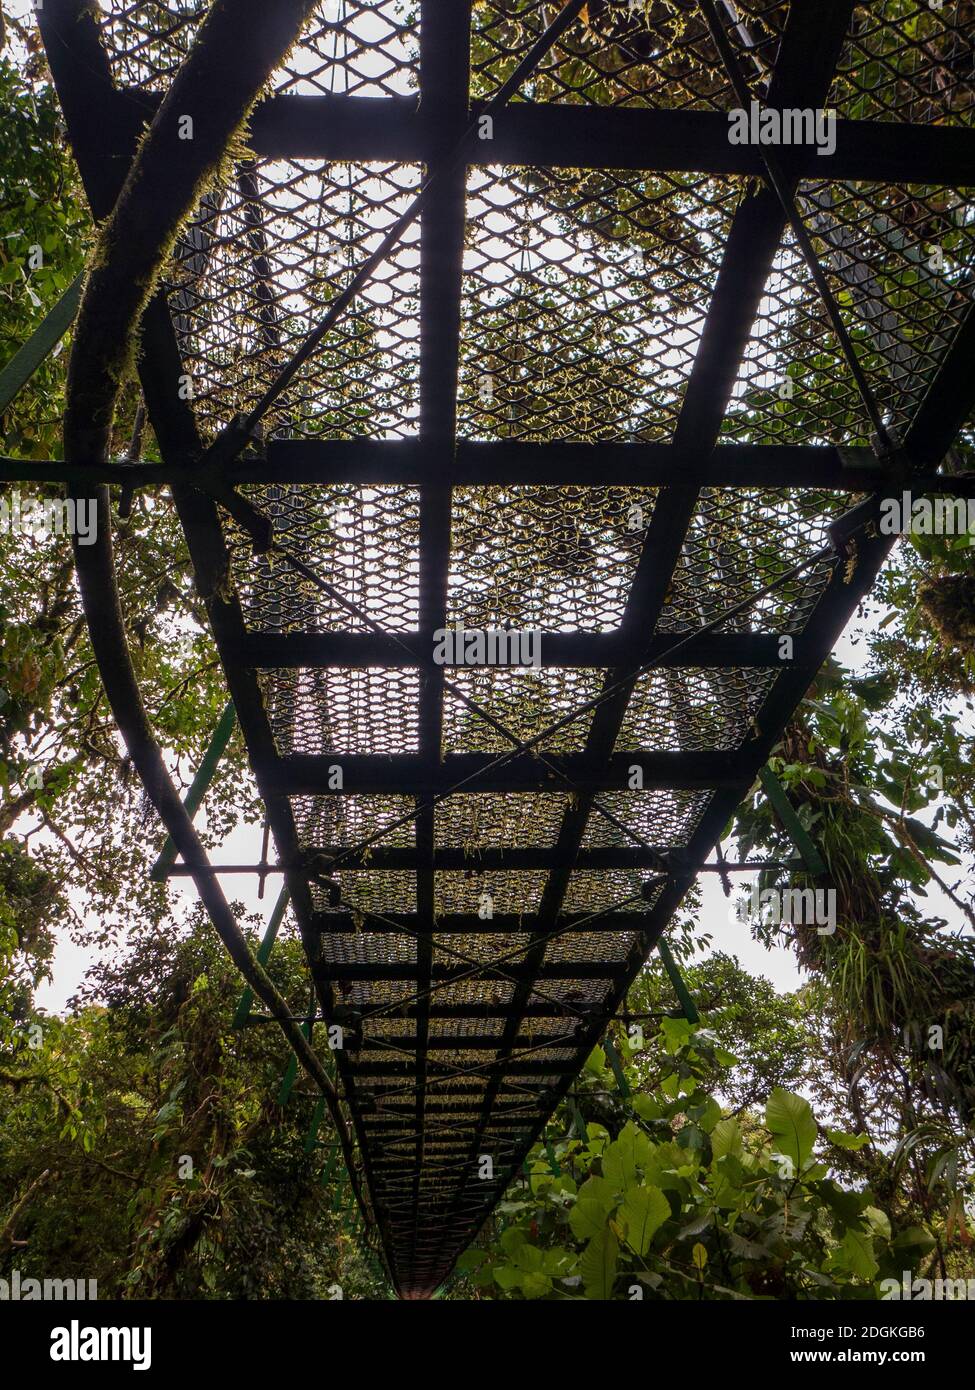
[(726, 1139), (621, 1158), (535, 1285), (589, 1215), (915, 1238), (847, 1141), (598, 1264), (664, 1163), (471, 1259), (644, 1211), (790, 1119), (855, 1253)]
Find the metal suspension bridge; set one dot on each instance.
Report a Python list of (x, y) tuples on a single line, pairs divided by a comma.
[(483, 326)]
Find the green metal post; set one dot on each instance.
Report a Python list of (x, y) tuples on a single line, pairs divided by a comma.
[(198, 788), (330, 1165), (791, 823), (243, 1011), (311, 1138), (40, 344), (616, 1066), (677, 980), (291, 1071)]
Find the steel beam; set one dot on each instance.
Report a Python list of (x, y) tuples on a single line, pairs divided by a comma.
[(340, 128)]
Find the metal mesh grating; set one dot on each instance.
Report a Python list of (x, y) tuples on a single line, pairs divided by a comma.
[(358, 47), (481, 821), (900, 262), (656, 53), (910, 61), (343, 821), (559, 556), (585, 295), (693, 709), (525, 701), (254, 273), (736, 539), (341, 710), (366, 540)]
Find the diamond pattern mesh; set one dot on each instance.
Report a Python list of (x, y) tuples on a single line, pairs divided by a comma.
[(256, 270), (909, 60), (355, 47), (900, 264), (585, 294), (653, 54)]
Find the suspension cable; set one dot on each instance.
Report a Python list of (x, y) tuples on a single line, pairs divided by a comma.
[(780, 186)]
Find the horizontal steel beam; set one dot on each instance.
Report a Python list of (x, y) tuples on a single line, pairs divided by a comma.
[(468, 923), (405, 1111), (398, 970), (338, 127), (410, 775), (403, 462), (529, 1066), (479, 463), (516, 859), (472, 1042), (269, 650)]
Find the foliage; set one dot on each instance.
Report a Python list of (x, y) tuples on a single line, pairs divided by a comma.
[(172, 1170), (687, 1202)]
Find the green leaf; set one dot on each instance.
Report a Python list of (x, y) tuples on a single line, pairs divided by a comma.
[(646, 1107), (790, 1119), (598, 1265), (726, 1139), (914, 1238), (596, 1199), (471, 1259), (558, 1261), (855, 1253), (878, 1220), (700, 1221), (528, 1258), (846, 1205), (707, 1115), (620, 1159), (535, 1284), (663, 1165), (747, 1249), (512, 1240), (691, 1137), (847, 1141), (676, 1032), (644, 1211)]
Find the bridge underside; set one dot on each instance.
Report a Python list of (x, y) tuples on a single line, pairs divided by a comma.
[(595, 393)]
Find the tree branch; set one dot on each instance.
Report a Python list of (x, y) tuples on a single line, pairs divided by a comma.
[(7, 1234)]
